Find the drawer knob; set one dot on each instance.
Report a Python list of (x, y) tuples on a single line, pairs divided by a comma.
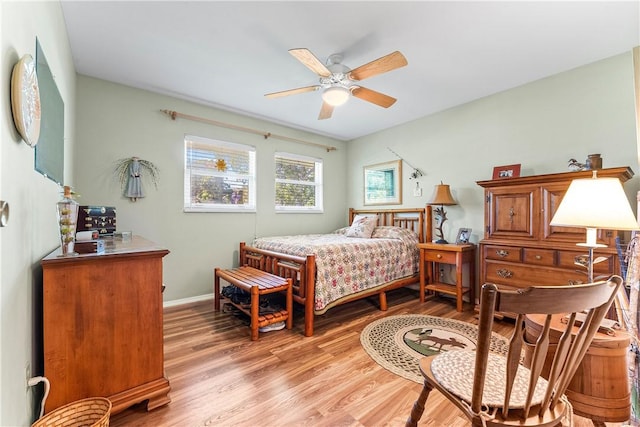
[(538, 257), (504, 273), (502, 253), (438, 256)]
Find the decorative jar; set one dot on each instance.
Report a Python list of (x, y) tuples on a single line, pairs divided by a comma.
[(594, 162), (67, 219)]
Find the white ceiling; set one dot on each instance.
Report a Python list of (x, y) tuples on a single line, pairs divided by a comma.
[(229, 54)]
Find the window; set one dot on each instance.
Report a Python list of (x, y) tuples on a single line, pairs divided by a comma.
[(218, 176), (298, 183)]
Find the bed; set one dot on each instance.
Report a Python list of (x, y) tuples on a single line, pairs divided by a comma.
[(331, 269)]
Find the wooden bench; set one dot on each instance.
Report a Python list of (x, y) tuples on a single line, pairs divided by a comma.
[(256, 283)]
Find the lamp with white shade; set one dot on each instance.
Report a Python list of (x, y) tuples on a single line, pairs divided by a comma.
[(595, 203)]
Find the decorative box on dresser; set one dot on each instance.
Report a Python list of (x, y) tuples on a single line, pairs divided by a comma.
[(520, 248), (103, 327)]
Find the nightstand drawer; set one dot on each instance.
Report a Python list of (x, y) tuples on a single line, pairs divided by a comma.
[(440, 256), (539, 256), (502, 253)]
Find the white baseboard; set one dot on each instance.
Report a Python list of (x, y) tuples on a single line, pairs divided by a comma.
[(189, 300)]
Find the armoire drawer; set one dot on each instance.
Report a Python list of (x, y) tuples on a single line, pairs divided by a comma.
[(539, 256), (502, 253), (566, 259), (524, 275)]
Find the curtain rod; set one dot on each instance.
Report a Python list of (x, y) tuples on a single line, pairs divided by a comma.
[(266, 135)]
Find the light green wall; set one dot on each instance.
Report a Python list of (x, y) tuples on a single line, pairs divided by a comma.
[(32, 230), (116, 121), (539, 125)]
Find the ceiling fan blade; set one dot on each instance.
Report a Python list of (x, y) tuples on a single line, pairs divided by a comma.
[(325, 111), (381, 65), (293, 91), (372, 96), (310, 61)]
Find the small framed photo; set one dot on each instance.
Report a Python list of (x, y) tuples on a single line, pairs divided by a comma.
[(508, 171), (463, 236)]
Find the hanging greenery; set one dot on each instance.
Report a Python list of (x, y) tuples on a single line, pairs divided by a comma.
[(130, 171)]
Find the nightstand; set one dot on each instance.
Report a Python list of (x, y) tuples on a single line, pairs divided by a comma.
[(433, 254)]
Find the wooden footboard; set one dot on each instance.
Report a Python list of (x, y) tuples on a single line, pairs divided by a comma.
[(301, 270)]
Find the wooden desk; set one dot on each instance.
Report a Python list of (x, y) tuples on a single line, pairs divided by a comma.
[(103, 331), (600, 388), (432, 254)]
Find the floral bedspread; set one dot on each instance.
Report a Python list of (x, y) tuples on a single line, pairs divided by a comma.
[(347, 265)]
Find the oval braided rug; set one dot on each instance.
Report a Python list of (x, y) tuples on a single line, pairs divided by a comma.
[(397, 343)]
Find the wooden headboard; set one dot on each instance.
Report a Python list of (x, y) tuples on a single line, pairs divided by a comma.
[(415, 219)]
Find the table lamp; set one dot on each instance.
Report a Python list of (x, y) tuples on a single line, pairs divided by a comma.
[(441, 196), (594, 203)]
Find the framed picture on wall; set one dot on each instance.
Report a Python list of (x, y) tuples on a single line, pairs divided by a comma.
[(508, 171), (383, 183)]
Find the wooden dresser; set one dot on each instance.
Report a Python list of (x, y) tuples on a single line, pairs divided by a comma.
[(102, 326), (520, 248)]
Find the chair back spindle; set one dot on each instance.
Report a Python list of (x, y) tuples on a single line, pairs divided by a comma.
[(595, 299)]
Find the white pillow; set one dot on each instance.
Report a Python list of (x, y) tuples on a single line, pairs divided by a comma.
[(362, 226)]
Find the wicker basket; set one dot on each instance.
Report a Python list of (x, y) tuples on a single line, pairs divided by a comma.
[(93, 411)]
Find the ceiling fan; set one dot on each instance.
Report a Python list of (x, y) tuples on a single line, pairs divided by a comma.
[(338, 82)]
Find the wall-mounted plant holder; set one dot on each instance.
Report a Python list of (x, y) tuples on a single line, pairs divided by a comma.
[(130, 172)]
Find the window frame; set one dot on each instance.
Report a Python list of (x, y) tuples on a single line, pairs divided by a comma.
[(188, 206), (318, 183)]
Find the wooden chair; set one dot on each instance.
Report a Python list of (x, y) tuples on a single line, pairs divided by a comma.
[(478, 381)]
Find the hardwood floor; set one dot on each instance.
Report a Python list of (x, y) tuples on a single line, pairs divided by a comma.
[(221, 378)]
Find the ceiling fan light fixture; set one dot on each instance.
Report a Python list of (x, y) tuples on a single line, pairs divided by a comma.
[(336, 95)]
